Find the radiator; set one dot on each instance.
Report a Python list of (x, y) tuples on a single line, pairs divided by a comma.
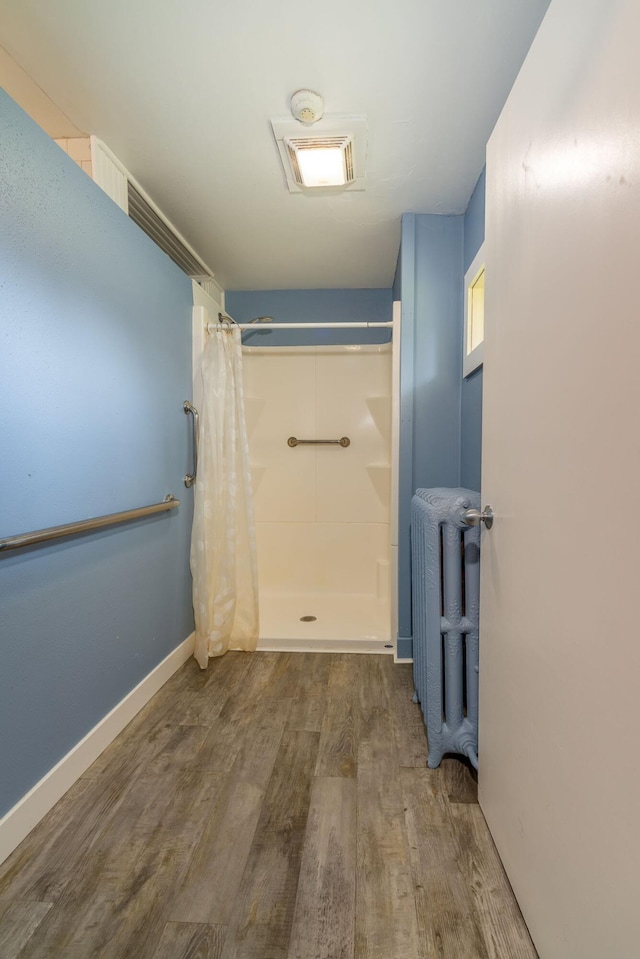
[(445, 606)]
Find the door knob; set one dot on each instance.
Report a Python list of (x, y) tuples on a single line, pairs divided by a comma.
[(473, 517)]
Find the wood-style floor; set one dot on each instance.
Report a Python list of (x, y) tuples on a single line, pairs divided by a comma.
[(276, 806)]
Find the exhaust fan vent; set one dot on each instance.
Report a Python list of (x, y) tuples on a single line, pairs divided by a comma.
[(116, 181), (299, 144), (342, 140), (155, 227)]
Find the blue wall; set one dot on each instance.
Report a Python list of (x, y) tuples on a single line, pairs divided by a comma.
[(474, 222), (95, 362), (429, 283), (312, 306), (471, 392)]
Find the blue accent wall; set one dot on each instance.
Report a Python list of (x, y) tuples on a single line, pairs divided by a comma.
[(471, 390), (311, 306), (474, 222), (429, 282), (95, 362)]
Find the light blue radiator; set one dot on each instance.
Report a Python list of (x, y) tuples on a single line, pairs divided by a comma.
[(445, 603)]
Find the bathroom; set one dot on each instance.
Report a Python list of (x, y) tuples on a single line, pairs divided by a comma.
[(93, 627)]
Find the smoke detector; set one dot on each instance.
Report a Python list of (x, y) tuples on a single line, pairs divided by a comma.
[(307, 106)]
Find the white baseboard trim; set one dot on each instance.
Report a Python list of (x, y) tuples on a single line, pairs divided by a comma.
[(29, 810), (325, 646)]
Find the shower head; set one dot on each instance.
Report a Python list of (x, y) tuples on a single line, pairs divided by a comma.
[(261, 319)]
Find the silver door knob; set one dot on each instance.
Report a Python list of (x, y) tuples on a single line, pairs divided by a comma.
[(473, 517)]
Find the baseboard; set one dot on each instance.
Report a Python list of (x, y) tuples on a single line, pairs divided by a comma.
[(29, 810), (325, 646), (404, 649)]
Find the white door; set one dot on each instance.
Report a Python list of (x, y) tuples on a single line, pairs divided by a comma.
[(560, 626)]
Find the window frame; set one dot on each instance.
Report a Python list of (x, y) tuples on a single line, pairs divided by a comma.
[(471, 361)]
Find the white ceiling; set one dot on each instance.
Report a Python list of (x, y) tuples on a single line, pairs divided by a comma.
[(183, 93)]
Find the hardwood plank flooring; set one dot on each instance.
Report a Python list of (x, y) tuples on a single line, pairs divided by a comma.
[(189, 940), (118, 894), (225, 844), (447, 922), (273, 806), (459, 780), (18, 921), (260, 921), (386, 923), (323, 922), (408, 726), (492, 897), (338, 732)]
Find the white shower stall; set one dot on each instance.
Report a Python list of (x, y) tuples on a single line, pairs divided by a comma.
[(323, 510)]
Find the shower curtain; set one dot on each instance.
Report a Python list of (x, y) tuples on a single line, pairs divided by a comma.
[(223, 545)]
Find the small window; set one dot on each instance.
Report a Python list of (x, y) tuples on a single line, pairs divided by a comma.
[(474, 314)]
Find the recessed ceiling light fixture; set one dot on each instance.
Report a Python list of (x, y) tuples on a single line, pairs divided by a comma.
[(321, 166), (328, 158)]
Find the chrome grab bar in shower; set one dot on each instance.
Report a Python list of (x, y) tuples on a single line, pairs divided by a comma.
[(55, 532), (343, 441), (188, 407)]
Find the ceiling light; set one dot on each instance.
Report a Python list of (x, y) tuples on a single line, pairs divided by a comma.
[(329, 156), (322, 166), (321, 162)]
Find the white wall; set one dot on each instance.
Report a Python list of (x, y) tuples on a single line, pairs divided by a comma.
[(560, 654)]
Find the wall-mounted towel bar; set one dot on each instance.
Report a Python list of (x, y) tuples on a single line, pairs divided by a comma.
[(343, 441), (55, 532), (188, 407)]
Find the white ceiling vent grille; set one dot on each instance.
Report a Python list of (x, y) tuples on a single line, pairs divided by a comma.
[(116, 181), (161, 233), (343, 136), (299, 144)]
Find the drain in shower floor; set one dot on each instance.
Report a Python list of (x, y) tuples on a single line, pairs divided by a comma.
[(308, 619)]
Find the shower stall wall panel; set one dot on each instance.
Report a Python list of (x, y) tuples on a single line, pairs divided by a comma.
[(322, 512)]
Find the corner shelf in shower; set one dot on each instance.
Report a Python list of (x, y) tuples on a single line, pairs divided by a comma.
[(253, 407), (257, 472), (380, 409), (380, 476)]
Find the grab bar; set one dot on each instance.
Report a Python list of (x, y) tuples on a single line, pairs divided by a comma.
[(344, 441), (188, 407), (55, 532)]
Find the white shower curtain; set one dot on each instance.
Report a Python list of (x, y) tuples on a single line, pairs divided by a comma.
[(223, 545)]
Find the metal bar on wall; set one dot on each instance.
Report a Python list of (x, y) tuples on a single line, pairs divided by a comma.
[(69, 529)]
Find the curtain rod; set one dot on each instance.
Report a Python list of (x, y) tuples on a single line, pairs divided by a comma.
[(212, 327)]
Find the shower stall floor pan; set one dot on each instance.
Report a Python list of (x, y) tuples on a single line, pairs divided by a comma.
[(343, 623)]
